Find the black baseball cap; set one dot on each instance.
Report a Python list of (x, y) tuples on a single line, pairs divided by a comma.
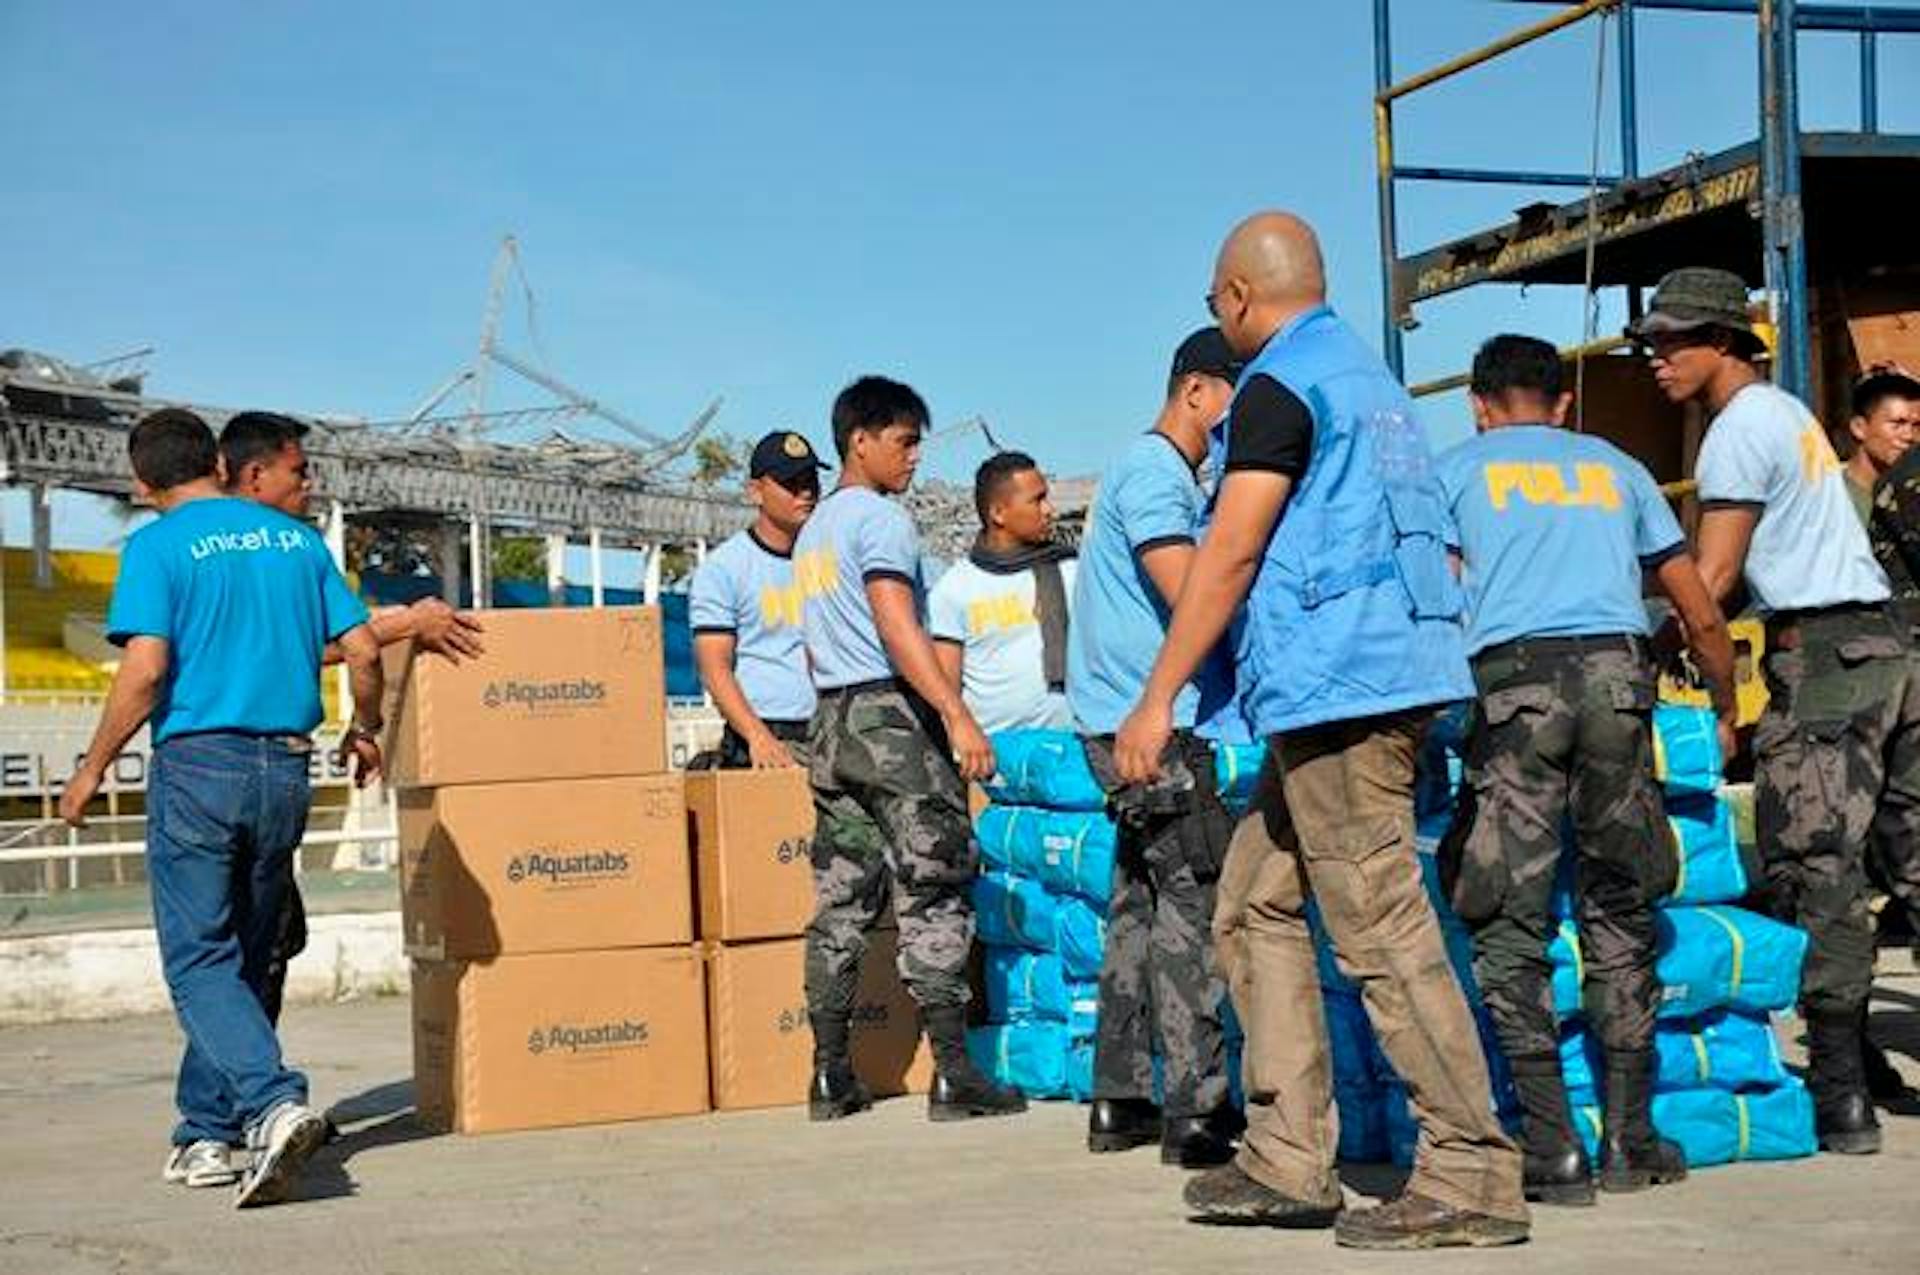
[(1207, 353), (783, 455)]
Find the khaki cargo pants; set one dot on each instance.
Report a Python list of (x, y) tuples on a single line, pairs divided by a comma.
[(1339, 828)]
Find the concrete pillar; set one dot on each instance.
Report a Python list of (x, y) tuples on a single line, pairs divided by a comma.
[(598, 568), (477, 564), (700, 553), (452, 569), (650, 585), (336, 536), (42, 501), (556, 569)]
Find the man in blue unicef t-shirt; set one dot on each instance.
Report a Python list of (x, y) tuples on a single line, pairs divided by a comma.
[(224, 608)]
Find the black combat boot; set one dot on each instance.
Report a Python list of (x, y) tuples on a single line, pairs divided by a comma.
[(1201, 1142), (959, 1091), (1121, 1124), (1836, 1073), (1554, 1165), (1633, 1156), (835, 1091)]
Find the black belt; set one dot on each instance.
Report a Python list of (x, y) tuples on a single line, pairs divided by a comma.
[(1789, 619), (861, 688), (1572, 644)]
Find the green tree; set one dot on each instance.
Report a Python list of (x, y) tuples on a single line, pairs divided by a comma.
[(716, 458), (519, 558)]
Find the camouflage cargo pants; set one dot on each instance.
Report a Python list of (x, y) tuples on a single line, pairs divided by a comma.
[(1836, 763), (1893, 861), (890, 817), (1159, 982), (1562, 734)]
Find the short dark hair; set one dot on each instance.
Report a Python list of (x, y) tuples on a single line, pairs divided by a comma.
[(992, 476), (1510, 364), (872, 403), (171, 447), (1877, 387), (251, 436)]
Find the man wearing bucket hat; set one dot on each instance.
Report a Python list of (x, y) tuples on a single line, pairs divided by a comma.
[(1842, 721), (745, 607)]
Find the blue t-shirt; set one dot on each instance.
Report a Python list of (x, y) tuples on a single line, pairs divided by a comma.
[(992, 616), (746, 589), (855, 535), (246, 599), (1554, 530), (1149, 497)]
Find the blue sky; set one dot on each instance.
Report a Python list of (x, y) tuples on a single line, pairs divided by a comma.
[(1014, 207)]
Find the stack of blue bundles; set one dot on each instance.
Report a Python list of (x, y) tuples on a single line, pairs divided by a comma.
[(1720, 1089), (1047, 849)]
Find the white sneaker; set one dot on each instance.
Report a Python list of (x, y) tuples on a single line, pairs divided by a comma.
[(202, 1163), (281, 1143)]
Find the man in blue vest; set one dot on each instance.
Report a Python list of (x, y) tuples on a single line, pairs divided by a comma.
[(1352, 636), (224, 608), (1556, 530)]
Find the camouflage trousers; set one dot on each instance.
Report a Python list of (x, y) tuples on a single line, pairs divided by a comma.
[(1562, 736), (890, 820), (1837, 770), (1159, 983)]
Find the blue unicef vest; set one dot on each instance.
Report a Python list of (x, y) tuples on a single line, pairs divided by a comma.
[(1354, 611)]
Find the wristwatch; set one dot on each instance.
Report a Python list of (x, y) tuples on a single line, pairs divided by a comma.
[(357, 731)]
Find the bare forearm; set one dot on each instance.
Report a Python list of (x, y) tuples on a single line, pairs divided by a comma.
[(1215, 586), (724, 687), (130, 703), (369, 687)]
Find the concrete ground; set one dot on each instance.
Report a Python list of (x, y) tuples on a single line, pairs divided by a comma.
[(85, 1108)]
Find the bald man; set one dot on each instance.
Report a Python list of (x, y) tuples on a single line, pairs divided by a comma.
[(1352, 636)]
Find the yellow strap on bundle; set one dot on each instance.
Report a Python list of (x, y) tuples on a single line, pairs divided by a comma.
[(1679, 854), (1659, 757), (1739, 941), (1746, 1125), (1006, 1043), (1699, 1040), (1572, 936), (1079, 840)]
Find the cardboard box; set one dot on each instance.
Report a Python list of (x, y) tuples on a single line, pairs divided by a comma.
[(529, 1042), (566, 865), (761, 1046), (573, 693), (752, 840)]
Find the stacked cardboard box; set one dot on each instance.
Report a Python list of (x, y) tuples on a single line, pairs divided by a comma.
[(753, 834), (546, 878)]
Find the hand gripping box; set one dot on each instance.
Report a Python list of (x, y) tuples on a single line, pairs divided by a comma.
[(761, 1044), (528, 1042), (558, 866), (752, 839), (571, 693)]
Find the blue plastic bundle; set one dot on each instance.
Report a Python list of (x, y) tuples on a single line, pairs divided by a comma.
[(1080, 936), (1569, 969), (1021, 984), (1686, 749), (1012, 911), (1080, 1068), (1717, 1126), (1236, 768), (1043, 768), (1068, 851), (1725, 957), (1030, 1056), (1710, 869), (1725, 1049)]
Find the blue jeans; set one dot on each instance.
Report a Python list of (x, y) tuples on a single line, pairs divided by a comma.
[(225, 813)]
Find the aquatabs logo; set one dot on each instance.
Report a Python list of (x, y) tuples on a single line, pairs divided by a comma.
[(577, 1038), (574, 692), (565, 869)]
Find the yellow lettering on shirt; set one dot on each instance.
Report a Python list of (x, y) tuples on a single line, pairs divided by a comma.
[(1538, 484), (1816, 454), (780, 606), (816, 571), (992, 615)]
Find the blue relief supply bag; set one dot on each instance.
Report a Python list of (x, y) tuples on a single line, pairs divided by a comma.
[(1686, 750), (1013, 911), (1043, 768), (1718, 956), (1030, 1057), (1068, 851), (1236, 768), (1725, 1049), (1022, 985), (1718, 1126), (1710, 869), (1080, 936)]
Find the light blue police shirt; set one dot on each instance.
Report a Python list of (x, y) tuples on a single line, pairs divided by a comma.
[(1554, 530), (855, 535), (246, 599), (1147, 498), (747, 590)]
